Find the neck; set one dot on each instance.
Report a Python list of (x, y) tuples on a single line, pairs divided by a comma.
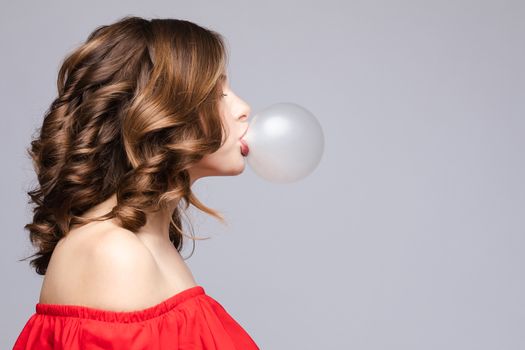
[(157, 224)]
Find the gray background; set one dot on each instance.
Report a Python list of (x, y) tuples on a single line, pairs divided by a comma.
[(409, 234)]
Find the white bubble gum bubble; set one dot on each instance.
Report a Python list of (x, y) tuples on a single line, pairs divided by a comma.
[(286, 143)]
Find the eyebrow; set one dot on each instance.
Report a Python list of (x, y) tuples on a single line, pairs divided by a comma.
[(223, 77)]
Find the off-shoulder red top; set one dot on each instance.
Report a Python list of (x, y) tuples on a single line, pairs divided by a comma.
[(190, 319)]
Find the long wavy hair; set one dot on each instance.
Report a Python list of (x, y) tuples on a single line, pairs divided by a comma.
[(137, 106)]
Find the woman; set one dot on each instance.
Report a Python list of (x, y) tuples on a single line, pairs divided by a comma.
[(143, 110)]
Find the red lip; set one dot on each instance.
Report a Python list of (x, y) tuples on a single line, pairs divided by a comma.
[(244, 148)]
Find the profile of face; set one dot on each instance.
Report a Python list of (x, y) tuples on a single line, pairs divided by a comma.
[(227, 160)]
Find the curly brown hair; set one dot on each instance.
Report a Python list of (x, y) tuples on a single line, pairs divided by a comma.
[(137, 106)]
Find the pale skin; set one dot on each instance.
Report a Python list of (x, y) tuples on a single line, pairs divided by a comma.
[(105, 266)]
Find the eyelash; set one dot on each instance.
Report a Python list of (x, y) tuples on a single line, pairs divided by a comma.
[(222, 95)]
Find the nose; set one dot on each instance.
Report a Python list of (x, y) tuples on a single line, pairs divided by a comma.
[(245, 110)]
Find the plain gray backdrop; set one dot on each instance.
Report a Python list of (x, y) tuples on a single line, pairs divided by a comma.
[(410, 233)]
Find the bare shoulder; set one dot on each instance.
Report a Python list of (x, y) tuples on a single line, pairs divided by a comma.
[(122, 273), (110, 270)]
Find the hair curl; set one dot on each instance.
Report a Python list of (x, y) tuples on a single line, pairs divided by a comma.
[(136, 108)]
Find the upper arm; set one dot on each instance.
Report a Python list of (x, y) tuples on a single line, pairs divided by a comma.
[(120, 274)]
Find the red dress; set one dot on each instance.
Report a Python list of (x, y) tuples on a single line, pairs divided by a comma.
[(190, 319)]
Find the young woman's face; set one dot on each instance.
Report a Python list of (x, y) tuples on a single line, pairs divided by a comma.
[(228, 159)]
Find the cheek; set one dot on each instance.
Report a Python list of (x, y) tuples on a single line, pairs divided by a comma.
[(228, 137), (224, 156), (226, 161)]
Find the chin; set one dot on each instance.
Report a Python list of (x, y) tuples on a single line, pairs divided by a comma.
[(236, 163), (240, 169)]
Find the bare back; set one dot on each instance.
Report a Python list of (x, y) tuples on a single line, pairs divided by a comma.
[(107, 267)]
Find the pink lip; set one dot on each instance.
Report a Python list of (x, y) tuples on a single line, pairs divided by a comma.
[(244, 148)]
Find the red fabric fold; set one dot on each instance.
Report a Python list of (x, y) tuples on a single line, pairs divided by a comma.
[(190, 319)]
